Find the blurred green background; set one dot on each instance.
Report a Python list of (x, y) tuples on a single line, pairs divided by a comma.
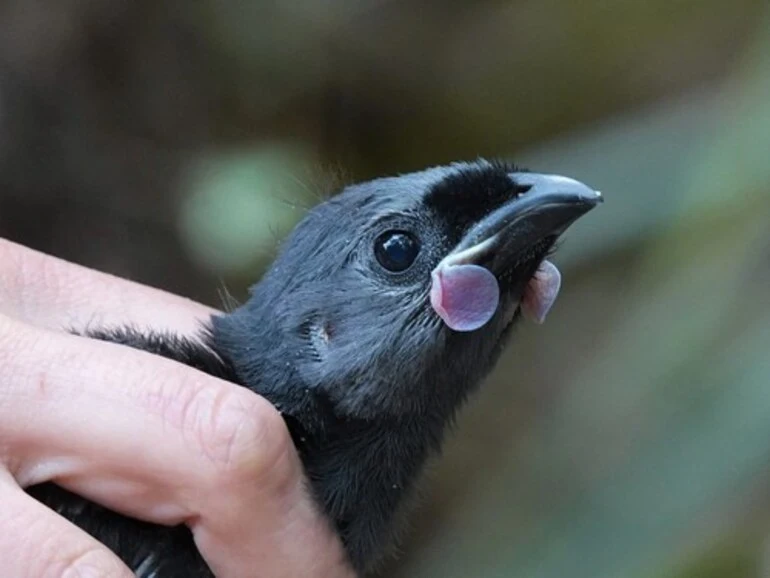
[(176, 143)]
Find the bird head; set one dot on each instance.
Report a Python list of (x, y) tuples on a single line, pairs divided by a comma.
[(395, 296)]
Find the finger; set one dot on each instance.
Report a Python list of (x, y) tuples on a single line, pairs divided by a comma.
[(55, 294), (211, 430), (287, 537), (35, 542), (225, 464)]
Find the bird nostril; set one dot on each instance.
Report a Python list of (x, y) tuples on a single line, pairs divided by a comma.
[(521, 189)]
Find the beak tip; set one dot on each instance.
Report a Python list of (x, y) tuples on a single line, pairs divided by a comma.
[(591, 199)]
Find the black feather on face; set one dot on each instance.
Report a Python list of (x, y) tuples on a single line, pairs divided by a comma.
[(342, 337)]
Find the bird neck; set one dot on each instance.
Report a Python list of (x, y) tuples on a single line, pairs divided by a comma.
[(364, 474)]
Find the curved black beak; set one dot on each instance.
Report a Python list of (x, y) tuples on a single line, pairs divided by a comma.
[(546, 209)]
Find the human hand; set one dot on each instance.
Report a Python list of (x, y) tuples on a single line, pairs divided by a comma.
[(137, 433)]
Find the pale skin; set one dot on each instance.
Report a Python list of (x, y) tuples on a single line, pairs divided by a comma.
[(140, 434)]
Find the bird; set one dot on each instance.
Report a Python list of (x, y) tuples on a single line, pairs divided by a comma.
[(385, 308)]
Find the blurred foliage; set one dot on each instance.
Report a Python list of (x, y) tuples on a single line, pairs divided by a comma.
[(224, 194), (630, 436)]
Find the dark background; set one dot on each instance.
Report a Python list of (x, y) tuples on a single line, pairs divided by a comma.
[(175, 143)]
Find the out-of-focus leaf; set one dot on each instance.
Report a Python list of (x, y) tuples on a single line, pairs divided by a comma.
[(238, 206)]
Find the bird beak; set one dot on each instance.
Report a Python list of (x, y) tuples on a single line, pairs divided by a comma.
[(548, 207)]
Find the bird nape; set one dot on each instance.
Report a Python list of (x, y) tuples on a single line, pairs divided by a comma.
[(387, 305)]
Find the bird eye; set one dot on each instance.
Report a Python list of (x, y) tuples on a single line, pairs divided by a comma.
[(396, 250)]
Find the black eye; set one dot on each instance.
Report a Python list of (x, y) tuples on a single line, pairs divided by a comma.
[(396, 250)]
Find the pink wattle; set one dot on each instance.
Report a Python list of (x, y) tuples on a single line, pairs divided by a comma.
[(541, 292), (464, 296)]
